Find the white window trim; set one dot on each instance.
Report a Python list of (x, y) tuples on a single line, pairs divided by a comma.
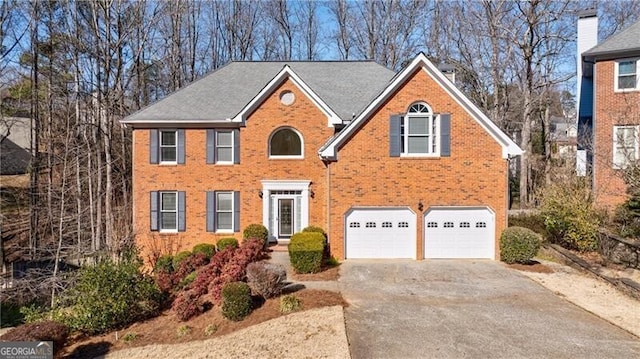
[(286, 157), (232, 211), (624, 165), (434, 124), (161, 211), (161, 146), (616, 75), (218, 162)]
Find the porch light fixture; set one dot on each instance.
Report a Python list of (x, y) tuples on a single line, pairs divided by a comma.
[(420, 206), (312, 194), (260, 194)]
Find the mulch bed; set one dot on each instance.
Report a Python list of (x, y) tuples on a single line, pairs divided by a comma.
[(164, 328)]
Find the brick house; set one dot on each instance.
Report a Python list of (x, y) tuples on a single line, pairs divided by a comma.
[(391, 165), (609, 106)]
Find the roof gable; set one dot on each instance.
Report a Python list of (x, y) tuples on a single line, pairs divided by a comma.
[(624, 43), (284, 74), (344, 87), (509, 148)]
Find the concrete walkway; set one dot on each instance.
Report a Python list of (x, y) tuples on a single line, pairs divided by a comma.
[(472, 309)]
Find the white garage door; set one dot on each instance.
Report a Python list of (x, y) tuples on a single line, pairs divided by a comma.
[(380, 233), (459, 232)]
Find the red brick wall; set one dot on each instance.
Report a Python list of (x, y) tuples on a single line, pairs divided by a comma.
[(365, 175), (612, 108), (196, 177)]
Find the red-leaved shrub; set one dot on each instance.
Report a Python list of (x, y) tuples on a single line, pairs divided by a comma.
[(188, 304), (39, 331), (228, 265), (189, 265)]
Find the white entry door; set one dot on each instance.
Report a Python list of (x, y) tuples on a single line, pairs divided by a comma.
[(285, 214), (380, 233), (459, 232)]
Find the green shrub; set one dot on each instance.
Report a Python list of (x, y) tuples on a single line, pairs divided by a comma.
[(306, 251), (210, 329), (256, 231), (533, 221), (290, 303), (315, 229), (227, 242), (569, 216), (130, 337), (236, 301), (164, 264), (519, 245), (11, 315), (178, 258), (110, 295), (207, 249), (183, 330), (187, 280)]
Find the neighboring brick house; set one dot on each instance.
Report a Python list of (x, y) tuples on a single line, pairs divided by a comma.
[(391, 165), (610, 108)]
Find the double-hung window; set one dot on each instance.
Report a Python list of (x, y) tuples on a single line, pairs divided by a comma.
[(627, 75), (223, 211), (168, 146), (418, 132), (168, 211), (223, 146), (625, 146)]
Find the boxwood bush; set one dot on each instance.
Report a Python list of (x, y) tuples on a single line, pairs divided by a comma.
[(236, 301), (207, 249), (306, 251), (256, 231), (519, 245), (227, 242)]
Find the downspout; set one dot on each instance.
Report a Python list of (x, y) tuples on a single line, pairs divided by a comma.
[(328, 204)]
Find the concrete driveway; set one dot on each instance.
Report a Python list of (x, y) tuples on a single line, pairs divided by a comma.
[(471, 309)]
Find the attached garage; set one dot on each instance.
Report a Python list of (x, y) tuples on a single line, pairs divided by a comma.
[(380, 233), (459, 232)]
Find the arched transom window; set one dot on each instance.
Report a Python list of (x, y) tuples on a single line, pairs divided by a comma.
[(286, 143), (418, 131)]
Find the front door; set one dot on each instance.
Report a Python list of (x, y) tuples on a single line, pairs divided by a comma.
[(285, 217)]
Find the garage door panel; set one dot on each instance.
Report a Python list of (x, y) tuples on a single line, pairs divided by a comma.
[(380, 233), (459, 232)]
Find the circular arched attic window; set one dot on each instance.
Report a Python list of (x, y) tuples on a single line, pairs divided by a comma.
[(287, 97)]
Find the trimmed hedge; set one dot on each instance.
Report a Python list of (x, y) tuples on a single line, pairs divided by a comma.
[(227, 242), (306, 251), (178, 258), (205, 248), (315, 229), (256, 231), (519, 245), (236, 301)]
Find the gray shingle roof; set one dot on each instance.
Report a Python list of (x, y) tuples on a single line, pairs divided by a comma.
[(626, 41), (345, 86)]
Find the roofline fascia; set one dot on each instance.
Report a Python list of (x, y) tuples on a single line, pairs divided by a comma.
[(287, 72), (181, 124), (509, 147), (610, 55)]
